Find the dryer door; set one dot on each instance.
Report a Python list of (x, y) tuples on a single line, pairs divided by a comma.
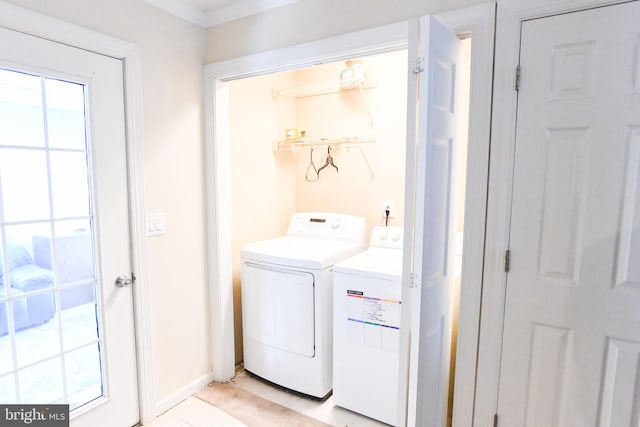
[(278, 308)]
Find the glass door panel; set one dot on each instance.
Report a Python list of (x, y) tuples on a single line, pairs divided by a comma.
[(69, 184), (21, 109), (50, 339), (24, 181), (65, 114)]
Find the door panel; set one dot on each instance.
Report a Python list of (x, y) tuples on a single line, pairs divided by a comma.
[(566, 159), (64, 233), (621, 378), (428, 230), (571, 340), (628, 267)]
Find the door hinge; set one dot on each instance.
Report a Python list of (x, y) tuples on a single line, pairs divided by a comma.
[(418, 67), (413, 280), (495, 420), (517, 82), (507, 261)]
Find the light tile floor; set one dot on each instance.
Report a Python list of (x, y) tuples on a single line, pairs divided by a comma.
[(196, 413)]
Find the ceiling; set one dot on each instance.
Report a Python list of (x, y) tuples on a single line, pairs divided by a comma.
[(209, 13)]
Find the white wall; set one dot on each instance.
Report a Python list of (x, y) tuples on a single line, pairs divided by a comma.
[(352, 190), (172, 58)]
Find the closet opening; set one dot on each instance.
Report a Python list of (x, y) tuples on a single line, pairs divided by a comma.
[(289, 166), (326, 138)]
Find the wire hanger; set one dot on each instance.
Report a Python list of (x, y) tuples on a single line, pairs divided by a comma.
[(312, 167), (328, 162)]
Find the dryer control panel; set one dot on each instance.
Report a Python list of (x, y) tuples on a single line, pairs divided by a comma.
[(328, 225)]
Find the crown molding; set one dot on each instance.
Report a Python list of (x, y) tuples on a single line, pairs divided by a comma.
[(217, 15), (240, 9), (181, 9)]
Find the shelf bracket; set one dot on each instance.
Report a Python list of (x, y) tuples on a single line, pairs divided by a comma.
[(364, 157), (366, 106)]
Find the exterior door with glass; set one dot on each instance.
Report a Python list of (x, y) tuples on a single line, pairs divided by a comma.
[(66, 329)]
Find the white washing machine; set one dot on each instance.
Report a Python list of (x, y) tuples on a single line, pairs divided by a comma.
[(287, 292), (366, 327)]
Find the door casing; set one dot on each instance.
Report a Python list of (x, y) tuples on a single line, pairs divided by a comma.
[(510, 15), (477, 21), (40, 25)]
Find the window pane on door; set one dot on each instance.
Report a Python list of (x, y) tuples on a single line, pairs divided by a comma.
[(65, 114), (6, 361), (25, 191), (41, 382), (83, 375), (69, 184), (21, 109), (50, 338), (35, 344), (7, 389)]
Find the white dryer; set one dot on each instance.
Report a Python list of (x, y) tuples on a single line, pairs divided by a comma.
[(287, 291), (366, 327)]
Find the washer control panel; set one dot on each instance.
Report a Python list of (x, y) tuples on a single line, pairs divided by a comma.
[(387, 237)]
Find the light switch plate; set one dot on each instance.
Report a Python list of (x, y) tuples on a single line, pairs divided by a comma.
[(155, 224)]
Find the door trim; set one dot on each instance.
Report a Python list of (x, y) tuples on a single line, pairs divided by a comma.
[(478, 21), (503, 130), (40, 25)]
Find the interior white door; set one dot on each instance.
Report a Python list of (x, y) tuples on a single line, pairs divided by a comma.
[(571, 344), (63, 202), (428, 270)]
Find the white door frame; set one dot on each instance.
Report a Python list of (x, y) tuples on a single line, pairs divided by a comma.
[(27, 21), (477, 21), (510, 15)]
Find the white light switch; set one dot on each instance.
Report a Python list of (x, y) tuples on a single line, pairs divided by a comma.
[(155, 224)]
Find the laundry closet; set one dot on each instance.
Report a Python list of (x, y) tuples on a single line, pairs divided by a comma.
[(284, 126), (272, 176)]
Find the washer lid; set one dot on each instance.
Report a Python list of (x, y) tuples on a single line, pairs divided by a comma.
[(302, 252), (382, 263)]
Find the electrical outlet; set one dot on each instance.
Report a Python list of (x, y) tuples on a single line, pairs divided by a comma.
[(387, 212), (387, 205)]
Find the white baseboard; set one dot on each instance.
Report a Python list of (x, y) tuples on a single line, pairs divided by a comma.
[(178, 396)]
